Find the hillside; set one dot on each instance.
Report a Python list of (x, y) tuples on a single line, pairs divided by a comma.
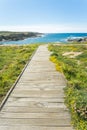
[(15, 36)]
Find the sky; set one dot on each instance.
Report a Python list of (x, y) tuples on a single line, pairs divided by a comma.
[(45, 16)]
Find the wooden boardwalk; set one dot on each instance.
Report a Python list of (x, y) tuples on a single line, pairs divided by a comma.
[(37, 101)]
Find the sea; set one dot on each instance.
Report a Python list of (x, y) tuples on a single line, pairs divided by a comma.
[(47, 38)]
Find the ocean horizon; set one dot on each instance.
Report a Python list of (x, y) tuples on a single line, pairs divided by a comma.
[(47, 38)]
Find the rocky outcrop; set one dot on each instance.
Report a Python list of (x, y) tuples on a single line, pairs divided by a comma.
[(15, 36), (83, 39)]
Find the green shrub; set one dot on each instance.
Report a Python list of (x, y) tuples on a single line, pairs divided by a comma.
[(12, 61), (75, 71), (81, 105)]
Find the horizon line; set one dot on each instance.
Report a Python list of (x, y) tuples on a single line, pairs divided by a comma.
[(38, 32), (45, 28)]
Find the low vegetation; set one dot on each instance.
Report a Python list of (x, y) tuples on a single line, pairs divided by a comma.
[(12, 61), (74, 67)]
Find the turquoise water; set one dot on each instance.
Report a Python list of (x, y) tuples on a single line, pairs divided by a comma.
[(46, 38)]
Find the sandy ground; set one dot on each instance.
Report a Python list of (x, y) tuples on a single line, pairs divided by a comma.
[(72, 54)]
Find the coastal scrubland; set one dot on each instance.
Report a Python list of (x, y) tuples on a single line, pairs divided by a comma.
[(12, 61), (71, 60)]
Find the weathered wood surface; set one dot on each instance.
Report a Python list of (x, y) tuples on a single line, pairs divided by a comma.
[(37, 101)]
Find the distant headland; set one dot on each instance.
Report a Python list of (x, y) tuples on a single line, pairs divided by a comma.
[(15, 36)]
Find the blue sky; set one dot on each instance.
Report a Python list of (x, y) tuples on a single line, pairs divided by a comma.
[(44, 15)]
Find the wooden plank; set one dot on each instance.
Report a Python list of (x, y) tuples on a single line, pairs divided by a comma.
[(38, 93), (36, 122), (29, 76), (19, 127), (44, 88), (58, 81), (41, 84), (15, 109), (54, 115), (15, 99), (37, 104)]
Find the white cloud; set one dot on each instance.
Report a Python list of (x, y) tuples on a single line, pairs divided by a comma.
[(46, 28)]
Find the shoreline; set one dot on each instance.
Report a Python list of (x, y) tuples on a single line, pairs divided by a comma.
[(17, 36), (63, 38)]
